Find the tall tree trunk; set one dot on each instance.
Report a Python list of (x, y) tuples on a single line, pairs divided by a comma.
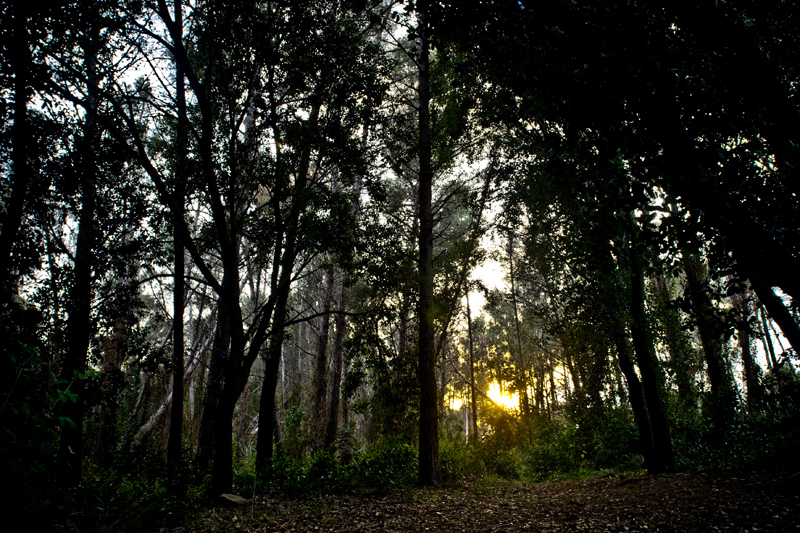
[(80, 332), (284, 258), (664, 457), (705, 314), (676, 345), (79, 321), (752, 372), (220, 351), (766, 338), (332, 427), (779, 313), (320, 378), (473, 403), (522, 381), (636, 397), (175, 441), (429, 470), (266, 407), (20, 58)]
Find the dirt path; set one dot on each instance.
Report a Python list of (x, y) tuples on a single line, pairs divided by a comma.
[(685, 502)]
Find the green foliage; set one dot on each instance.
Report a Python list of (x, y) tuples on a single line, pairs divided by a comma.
[(714, 437), (565, 447), (387, 465), (29, 416), (138, 490), (557, 448)]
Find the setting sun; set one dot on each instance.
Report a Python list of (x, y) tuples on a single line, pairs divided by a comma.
[(508, 402)]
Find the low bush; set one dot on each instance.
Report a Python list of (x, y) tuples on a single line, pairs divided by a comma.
[(387, 465)]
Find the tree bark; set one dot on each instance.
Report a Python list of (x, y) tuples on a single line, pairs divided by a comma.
[(266, 407), (718, 371), (175, 441), (220, 351), (320, 379), (664, 457), (676, 345), (332, 427), (769, 349), (636, 397), (752, 372), (473, 403), (778, 312), (79, 321), (429, 470), (20, 58), (522, 381)]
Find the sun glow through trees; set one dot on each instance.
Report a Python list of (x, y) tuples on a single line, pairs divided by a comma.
[(502, 398)]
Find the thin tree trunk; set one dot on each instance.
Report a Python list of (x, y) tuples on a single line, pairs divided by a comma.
[(552, 369), (283, 266), (473, 403), (220, 351), (573, 374), (521, 370), (320, 379), (769, 350), (79, 322), (147, 429), (20, 137), (752, 372), (266, 407), (175, 441), (429, 470), (332, 427), (664, 457), (636, 397), (718, 372), (779, 313)]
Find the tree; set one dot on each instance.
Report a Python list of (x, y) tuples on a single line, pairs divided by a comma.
[(179, 290)]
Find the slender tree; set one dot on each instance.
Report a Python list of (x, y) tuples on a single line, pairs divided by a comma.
[(176, 418)]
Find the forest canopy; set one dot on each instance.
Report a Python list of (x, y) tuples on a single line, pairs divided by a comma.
[(240, 240)]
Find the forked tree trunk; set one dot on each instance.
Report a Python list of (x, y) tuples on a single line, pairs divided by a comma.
[(636, 397)]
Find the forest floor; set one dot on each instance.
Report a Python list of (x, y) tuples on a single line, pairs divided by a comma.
[(686, 502)]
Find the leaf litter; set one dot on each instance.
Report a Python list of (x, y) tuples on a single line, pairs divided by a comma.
[(740, 502)]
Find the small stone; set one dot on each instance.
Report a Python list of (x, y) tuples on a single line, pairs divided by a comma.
[(231, 500)]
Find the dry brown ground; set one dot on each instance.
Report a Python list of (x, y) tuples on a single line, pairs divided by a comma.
[(686, 502)]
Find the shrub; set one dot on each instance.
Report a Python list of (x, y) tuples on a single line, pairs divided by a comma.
[(384, 466)]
